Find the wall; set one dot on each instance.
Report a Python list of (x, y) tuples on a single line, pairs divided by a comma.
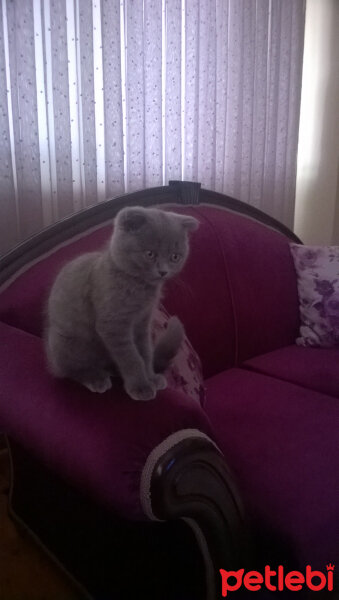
[(317, 191)]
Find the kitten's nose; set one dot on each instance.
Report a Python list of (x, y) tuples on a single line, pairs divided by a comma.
[(163, 273)]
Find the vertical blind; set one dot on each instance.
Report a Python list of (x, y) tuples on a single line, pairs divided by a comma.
[(102, 97)]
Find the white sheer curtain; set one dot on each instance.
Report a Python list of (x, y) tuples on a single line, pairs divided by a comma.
[(101, 97)]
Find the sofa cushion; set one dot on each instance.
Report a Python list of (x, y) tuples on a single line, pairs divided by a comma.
[(313, 368), (280, 440), (24, 297), (201, 297), (184, 373), (261, 275), (98, 442), (318, 287)]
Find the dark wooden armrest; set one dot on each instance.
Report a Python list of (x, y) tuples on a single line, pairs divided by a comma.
[(192, 481)]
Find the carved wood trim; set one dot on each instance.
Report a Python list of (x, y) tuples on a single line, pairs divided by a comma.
[(192, 481), (183, 192), (218, 199), (187, 192)]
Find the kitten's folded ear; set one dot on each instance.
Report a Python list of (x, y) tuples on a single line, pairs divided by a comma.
[(189, 223), (131, 218)]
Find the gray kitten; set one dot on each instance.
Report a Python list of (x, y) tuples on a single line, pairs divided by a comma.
[(100, 306)]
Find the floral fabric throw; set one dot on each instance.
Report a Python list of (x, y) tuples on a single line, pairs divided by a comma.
[(185, 372), (318, 287)]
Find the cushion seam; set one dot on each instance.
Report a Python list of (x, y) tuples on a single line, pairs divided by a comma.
[(228, 282), (38, 337), (300, 385)]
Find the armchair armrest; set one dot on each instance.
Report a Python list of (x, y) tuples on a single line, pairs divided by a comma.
[(187, 477), (99, 442), (141, 460)]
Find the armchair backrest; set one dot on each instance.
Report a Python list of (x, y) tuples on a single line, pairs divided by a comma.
[(237, 295)]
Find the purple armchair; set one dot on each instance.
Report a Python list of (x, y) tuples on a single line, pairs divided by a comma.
[(152, 499)]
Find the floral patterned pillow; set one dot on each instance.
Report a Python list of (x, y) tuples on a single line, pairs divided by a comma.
[(318, 287), (185, 373)]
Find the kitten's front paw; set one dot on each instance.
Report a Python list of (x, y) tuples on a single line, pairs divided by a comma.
[(141, 391), (98, 385), (159, 381)]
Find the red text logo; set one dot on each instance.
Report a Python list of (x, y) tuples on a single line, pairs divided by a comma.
[(276, 580)]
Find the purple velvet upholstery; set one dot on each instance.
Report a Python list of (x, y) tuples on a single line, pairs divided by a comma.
[(22, 302), (271, 406), (201, 298), (261, 279), (312, 368), (281, 441)]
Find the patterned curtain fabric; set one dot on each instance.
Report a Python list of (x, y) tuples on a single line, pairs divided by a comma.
[(102, 97)]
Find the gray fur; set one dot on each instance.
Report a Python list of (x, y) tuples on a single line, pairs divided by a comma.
[(100, 306)]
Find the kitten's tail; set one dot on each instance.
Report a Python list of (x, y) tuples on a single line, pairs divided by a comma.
[(168, 345)]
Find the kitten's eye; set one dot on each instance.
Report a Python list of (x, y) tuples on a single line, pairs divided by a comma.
[(175, 257), (150, 254)]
